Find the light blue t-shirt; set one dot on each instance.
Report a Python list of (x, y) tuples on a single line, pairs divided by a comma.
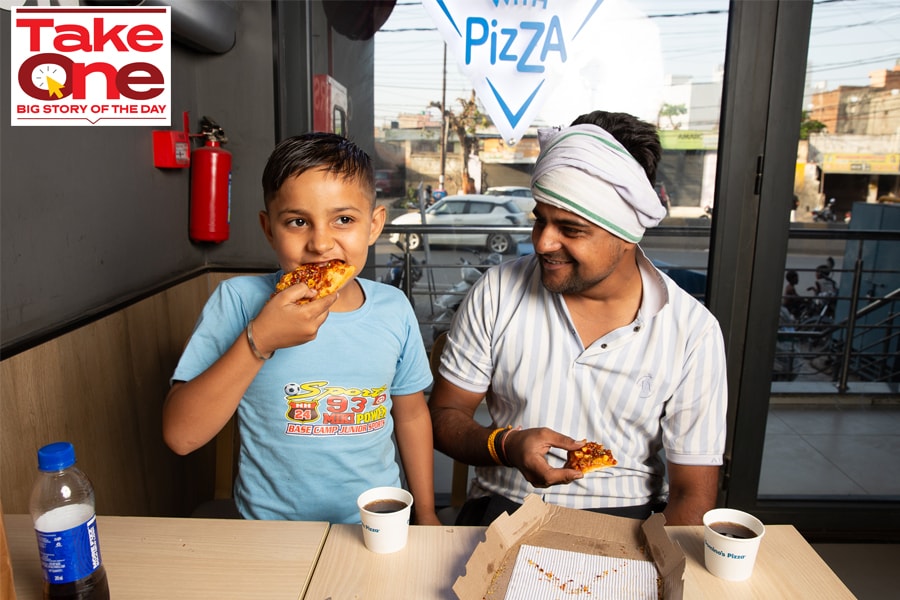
[(315, 425)]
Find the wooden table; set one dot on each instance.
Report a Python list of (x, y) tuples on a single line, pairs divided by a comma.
[(425, 569), (156, 558), (210, 558), (786, 567)]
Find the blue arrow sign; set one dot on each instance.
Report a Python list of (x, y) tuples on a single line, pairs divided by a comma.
[(513, 51)]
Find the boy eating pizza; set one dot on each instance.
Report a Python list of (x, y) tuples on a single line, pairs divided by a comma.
[(320, 379)]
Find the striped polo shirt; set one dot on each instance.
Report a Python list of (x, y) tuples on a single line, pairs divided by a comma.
[(656, 384)]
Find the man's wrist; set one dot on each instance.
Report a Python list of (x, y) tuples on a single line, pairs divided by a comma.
[(504, 457)]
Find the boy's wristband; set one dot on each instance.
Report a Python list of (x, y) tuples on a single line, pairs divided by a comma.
[(253, 347)]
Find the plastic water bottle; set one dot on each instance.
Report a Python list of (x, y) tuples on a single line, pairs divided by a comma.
[(63, 510)]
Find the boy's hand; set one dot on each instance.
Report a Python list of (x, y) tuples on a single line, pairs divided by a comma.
[(282, 323)]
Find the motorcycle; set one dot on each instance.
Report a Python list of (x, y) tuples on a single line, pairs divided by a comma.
[(396, 274), (825, 214), (813, 321), (451, 299)]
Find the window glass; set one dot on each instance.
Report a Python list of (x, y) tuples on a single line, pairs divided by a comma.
[(657, 59), (672, 78), (833, 421), (829, 428), (451, 208)]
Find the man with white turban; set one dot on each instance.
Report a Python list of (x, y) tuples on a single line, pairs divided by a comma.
[(586, 340)]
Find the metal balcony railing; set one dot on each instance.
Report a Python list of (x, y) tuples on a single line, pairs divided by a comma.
[(852, 338), (850, 341)]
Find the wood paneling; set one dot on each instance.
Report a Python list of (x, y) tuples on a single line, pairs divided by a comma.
[(101, 387), (7, 586)]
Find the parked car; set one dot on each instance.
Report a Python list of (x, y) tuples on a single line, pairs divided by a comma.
[(388, 183), (521, 195), (509, 190), (462, 211)]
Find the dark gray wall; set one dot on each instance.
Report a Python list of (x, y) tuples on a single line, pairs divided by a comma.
[(88, 223)]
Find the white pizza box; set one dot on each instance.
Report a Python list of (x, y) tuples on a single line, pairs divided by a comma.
[(489, 568)]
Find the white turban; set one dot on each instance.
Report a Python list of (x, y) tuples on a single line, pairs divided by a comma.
[(585, 170)]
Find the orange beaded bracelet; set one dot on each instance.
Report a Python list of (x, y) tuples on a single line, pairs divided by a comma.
[(490, 444)]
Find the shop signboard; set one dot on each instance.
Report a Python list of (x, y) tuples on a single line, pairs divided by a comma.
[(858, 163)]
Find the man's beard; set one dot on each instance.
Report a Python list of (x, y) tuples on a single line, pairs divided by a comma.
[(572, 283)]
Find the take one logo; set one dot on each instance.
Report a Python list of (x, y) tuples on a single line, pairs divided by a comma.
[(513, 51), (90, 66)]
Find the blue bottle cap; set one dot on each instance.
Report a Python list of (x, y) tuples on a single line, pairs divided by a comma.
[(56, 456)]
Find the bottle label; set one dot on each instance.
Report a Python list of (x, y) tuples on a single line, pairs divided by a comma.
[(71, 554)]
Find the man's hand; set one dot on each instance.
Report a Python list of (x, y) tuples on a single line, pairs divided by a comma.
[(458, 435), (527, 450)]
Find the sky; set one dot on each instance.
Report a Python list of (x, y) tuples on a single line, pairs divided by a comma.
[(849, 39)]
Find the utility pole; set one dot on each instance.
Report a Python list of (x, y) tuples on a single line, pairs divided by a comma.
[(443, 122)]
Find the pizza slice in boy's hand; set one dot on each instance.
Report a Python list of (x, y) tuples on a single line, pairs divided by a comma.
[(590, 457), (324, 278)]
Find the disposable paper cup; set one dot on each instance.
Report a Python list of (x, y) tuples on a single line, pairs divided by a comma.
[(384, 532), (728, 557)]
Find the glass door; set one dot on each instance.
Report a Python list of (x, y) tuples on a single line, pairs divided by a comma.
[(814, 444)]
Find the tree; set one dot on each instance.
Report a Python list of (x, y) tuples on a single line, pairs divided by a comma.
[(808, 126), (669, 111), (463, 124)]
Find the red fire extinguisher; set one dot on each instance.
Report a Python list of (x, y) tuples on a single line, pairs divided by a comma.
[(210, 217)]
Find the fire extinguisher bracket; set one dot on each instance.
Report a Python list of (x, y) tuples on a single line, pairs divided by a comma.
[(172, 149), (210, 213)]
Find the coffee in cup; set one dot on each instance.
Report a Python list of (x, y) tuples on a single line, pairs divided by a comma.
[(388, 505), (733, 530)]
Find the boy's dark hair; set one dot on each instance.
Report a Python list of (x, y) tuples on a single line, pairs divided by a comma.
[(327, 151), (792, 277), (639, 137)]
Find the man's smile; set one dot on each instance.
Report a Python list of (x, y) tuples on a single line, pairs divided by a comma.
[(552, 263)]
